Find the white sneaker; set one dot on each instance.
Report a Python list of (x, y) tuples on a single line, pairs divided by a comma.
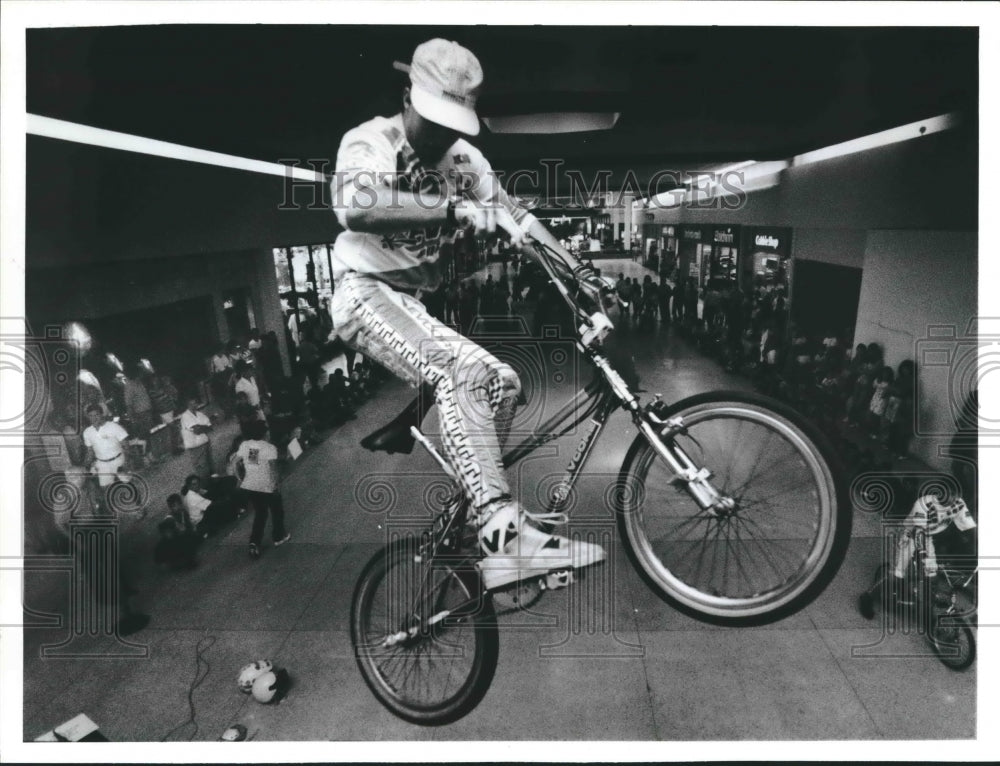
[(515, 550)]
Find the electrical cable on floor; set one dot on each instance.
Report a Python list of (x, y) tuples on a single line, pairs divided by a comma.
[(200, 649)]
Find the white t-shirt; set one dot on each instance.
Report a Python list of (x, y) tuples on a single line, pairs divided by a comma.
[(105, 440), (260, 473), (188, 421), (196, 504), (376, 154), (250, 389), (221, 363)]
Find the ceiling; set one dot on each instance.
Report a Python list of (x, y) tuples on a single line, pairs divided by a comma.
[(689, 97)]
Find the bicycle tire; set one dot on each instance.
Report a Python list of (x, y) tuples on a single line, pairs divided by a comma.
[(383, 603), (953, 641), (660, 558)]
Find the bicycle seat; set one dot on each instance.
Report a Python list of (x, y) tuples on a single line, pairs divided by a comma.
[(395, 436)]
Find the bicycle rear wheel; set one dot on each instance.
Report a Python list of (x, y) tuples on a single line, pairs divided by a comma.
[(424, 635), (771, 554), (953, 641)]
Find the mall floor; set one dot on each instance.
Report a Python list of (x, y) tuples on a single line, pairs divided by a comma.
[(605, 660)]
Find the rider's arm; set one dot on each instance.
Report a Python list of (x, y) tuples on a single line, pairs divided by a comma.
[(363, 196), (378, 209)]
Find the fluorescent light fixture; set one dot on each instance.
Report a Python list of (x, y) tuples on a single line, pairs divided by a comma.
[(553, 122), (110, 139), (892, 136)]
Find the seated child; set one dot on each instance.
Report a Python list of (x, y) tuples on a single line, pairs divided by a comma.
[(206, 514)]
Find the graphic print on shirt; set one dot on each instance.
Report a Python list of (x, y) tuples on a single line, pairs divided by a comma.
[(253, 456), (411, 176)]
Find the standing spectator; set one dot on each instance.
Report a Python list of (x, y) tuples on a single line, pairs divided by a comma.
[(245, 384), (451, 303), (466, 308), (138, 406), (486, 296), (222, 371), (259, 461), (663, 296), (254, 344), (501, 293), (246, 413), (324, 324), (293, 327), (677, 306), (691, 304), (163, 394), (105, 443), (195, 427), (269, 358), (309, 362)]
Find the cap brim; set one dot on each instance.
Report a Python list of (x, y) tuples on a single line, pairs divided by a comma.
[(443, 112)]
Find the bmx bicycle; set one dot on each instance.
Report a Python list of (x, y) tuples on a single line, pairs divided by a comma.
[(726, 502), (931, 604)]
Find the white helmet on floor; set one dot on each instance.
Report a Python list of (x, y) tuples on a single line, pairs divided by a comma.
[(271, 686), (251, 673)]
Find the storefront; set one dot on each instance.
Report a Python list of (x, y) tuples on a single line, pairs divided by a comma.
[(659, 247), (720, 261), (692, 243), (768, 263)]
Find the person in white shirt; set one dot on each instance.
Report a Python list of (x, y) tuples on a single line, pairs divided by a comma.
[(257, 462), (195, 427), (222, 371), (254, 343), (245, 384), (105, 443)]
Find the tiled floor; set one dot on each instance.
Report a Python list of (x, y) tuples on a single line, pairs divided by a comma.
[(606, 660)]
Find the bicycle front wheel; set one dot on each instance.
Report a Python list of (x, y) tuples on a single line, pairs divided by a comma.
[(424, 635), (770, 554), (953, 642)]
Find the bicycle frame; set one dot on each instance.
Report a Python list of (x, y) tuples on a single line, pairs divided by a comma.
[(609, 386)]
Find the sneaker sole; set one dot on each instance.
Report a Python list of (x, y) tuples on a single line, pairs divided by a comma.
[(504, 570)]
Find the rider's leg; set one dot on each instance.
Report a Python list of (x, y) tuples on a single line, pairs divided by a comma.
[(471, 388)]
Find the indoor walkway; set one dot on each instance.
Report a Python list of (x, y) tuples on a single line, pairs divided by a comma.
[(603, 660)]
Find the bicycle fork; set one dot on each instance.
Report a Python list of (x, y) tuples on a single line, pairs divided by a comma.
[(695, 479)]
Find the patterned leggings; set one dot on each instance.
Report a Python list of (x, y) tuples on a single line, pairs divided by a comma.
[(475, 392)]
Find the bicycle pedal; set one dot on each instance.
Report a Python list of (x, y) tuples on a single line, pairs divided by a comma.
[(556, 580)]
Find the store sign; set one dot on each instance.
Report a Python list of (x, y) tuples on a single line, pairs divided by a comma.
[(724, 236), (766, 240), (694, 234)]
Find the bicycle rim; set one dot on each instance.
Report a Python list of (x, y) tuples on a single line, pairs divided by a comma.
[(772, 554), (442, 671)]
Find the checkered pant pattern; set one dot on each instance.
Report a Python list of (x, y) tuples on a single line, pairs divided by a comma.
[(475, 392)]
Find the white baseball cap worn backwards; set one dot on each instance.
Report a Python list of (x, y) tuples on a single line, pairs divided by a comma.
[(444, 83)]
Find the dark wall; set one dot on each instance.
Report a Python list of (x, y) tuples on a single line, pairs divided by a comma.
[(825, 297)]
